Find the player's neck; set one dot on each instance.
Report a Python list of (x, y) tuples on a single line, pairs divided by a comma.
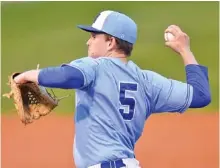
[(120, 56)]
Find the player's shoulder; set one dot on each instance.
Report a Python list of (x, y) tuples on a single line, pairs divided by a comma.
[(148, 71), (150, 75), (153, 78), (85, 60)]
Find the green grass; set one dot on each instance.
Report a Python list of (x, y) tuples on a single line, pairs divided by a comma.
[(46, 33)]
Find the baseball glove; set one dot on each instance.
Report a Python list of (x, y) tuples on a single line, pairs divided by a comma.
[(31, 100)]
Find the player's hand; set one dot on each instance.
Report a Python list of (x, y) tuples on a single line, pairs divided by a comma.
[(19, 79), (181, 42)]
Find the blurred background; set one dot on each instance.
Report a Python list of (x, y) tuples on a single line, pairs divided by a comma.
[(45, 33)]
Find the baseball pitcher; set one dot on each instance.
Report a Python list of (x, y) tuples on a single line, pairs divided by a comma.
[(114, 97)]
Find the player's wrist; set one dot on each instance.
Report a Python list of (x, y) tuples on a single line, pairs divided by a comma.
[(186, 52), (188, 57)]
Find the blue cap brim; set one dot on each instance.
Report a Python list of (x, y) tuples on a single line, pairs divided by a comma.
[(89, 29)]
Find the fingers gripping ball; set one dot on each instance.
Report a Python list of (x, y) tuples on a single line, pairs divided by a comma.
[(169, 36), (31, 100)]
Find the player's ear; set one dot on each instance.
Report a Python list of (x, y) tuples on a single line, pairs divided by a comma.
[(112, 43)]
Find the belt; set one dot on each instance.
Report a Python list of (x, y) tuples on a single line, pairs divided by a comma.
[(113, 164), (120, 163)]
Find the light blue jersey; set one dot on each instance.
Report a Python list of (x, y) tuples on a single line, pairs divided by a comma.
[(113, 105)]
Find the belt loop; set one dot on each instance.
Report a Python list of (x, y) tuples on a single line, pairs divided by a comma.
[(112, 164)]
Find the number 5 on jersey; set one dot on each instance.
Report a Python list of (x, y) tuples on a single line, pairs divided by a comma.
[(127, 107)]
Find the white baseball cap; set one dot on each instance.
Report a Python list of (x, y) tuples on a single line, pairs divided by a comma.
[(115, 24)]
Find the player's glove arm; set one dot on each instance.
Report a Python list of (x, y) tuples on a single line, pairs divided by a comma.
[(64, 77), (197, 77)]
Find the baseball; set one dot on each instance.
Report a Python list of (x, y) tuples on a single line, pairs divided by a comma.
[(168, 37)]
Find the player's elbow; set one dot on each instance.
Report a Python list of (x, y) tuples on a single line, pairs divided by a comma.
[(207, 100), (200, 99)]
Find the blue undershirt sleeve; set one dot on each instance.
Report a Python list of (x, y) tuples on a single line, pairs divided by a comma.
[(197, 77), (64, 77)]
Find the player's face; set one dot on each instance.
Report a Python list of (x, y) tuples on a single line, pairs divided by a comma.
[(97, 45)]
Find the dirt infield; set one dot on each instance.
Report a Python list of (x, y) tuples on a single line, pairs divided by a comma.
[(169, 141)]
